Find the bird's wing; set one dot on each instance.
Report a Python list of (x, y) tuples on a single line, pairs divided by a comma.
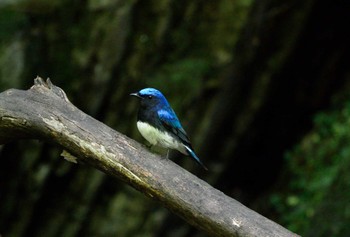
[(172, 124)]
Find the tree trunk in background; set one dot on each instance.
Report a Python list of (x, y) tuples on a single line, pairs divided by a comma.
[(284, 76), (249, 86)]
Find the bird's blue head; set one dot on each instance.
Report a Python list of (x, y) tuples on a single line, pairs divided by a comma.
[(150, 97)]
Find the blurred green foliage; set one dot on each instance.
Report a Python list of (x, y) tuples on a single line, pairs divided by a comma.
[(181, 76), (11, 49), (313, 203), (10, 22)]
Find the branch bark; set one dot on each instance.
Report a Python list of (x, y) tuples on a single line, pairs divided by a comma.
[(44, 112)]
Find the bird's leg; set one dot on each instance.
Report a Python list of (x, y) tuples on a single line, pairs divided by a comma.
[(167, 154)]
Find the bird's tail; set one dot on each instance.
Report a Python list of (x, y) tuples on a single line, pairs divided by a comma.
[(195, 157)]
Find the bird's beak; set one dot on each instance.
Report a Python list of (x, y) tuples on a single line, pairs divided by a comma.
[(136, 95)]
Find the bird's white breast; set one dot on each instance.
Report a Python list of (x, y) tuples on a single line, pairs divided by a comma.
[(157, 137)]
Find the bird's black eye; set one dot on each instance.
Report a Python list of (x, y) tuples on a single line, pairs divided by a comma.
[(150, 97)]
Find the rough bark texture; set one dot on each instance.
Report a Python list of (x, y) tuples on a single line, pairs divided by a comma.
[(44, 112)]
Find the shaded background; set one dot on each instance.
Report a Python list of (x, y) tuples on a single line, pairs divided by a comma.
[(262, 88)]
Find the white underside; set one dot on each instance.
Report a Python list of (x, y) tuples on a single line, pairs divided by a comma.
[(158, 138)]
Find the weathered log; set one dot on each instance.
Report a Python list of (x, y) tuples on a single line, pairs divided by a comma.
[(44, 112)]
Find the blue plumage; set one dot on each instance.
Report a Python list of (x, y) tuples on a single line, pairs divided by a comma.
[(159, 125)]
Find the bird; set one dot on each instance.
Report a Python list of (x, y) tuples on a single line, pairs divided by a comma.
[(159, 125)]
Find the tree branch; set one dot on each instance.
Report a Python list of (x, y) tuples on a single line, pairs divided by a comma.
[(44, 112)]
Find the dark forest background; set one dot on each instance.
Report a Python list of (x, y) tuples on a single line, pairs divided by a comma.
[(262, 88)]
